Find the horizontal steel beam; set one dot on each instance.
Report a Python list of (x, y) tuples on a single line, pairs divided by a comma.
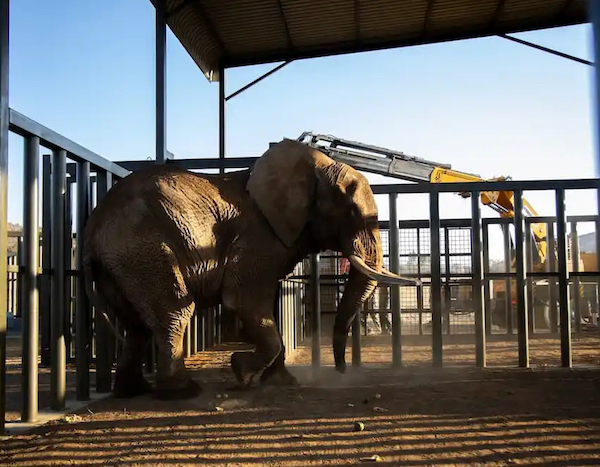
[(507, 185), (191, 164), (24, 126)]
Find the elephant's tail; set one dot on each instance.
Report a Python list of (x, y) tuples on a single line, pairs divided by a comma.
[(90, 272)]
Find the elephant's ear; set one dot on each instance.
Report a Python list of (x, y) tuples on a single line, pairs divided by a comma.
[(283, 182)]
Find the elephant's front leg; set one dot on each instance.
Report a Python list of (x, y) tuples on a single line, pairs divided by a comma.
[(255, 311)]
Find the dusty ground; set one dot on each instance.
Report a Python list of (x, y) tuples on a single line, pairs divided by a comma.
[(459, 416)]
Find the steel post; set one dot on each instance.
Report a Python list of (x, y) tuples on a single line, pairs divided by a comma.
[(508, 282), (58, 307), (552, 280), (523, 326), (436, 278), (105, 340), (563, 280), (161, 88), (576, 281), (529, 279), (420, 286), (594, 18), (82, 310), (4, 117), (487, 300), (356, 339), (478, 280), (394, 249), (447, 298), (222, 103), (44, 252), (31, 239), (315, 300)]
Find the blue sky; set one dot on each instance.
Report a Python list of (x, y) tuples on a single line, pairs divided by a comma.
[(487, 106)]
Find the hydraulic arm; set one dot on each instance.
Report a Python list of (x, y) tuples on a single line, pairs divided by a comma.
[(383, 161)]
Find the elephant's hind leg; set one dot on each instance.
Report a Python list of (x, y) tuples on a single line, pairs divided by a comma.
[(277, 374)]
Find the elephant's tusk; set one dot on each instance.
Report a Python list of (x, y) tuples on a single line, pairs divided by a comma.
[(384, 276)]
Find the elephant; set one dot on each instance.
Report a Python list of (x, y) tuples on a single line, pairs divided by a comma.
[(165, 242)]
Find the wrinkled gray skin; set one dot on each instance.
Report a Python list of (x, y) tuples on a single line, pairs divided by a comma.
[(165, 241)]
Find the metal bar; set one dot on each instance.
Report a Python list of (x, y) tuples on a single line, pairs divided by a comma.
[(68, 261), (436, 279), (394, 249), (257, 80), (420, 286), (82, 313), (44, 280), (199, 164), (24, 126), (507, 185), (546, 49), (4, 123), (563, 281), (57, 293), (521, 294), (552, 280), (594, 18), (478, 281), (447, 298), (356, 344), (576, 281), (508, 290), (105, 340), (315, 300), (161, 89), (29, 409), (222, 102), (529, 278), (486, 283)]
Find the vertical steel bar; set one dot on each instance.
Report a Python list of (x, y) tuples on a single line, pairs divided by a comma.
[(594, 19), (521, 294), (436, 278), (105, 340), (529, 279), (4, 20), (29, 409), (44, 301), (447, 292), (315, 300), (478, 280), (58, 306), (82, 310), (420, 286), (194, 332), (596, 304), (161, 80), (563, 280), (507, 268), (487, 300), (356, 340), (552, 280), (394, 249), (222, 104), (576, 281)]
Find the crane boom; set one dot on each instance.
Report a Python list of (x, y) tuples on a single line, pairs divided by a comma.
[(397, 164)]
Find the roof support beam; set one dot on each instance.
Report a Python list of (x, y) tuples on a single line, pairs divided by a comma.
[(497, 12), (427, 16), (285, 24), (160, 91), (546, 49), (257, 80), (4, 121), (210, 26), (594, 16)]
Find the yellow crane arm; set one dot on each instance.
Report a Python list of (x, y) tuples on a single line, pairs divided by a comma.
[(501, 201)]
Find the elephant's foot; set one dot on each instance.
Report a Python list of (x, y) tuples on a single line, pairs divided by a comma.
[(243, 376), (278, 377), (130, 384), (166, 390), (340, 367)]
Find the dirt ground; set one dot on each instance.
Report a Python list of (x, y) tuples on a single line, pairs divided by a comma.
[(414, 416)]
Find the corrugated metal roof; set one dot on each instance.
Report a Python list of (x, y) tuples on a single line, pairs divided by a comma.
[(247, 32)]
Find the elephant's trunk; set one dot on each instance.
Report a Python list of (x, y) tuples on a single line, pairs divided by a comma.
[(358, 288)]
